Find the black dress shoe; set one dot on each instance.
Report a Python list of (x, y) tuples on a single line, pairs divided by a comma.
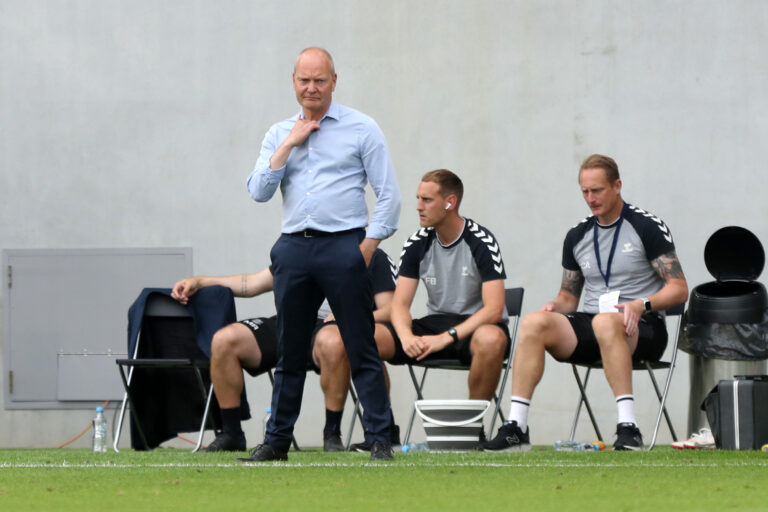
[(226, 442), (264, 453), (332, 442), (364, 447), (381, 451)]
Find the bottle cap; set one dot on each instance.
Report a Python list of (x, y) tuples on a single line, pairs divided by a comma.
[(99, 409), (269, 410)]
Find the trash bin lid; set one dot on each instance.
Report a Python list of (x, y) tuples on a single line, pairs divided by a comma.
[(734, 253)]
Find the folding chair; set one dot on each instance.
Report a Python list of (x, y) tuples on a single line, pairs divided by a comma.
[(648, 366), (513, 300), (357, 414), (161, 306)]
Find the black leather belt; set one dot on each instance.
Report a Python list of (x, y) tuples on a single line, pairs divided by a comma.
[(313, 233)]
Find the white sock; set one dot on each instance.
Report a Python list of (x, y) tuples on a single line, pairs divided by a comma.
[(626, 406), (518, 411)]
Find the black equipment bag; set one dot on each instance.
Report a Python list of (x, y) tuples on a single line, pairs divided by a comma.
[(737, 411)]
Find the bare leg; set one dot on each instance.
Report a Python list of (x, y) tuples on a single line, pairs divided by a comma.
[(330, 356), (487, 347), (540, 332), (615, 350), (233, 347)]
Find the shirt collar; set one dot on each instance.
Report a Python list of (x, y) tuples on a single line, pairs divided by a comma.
[(334, 112)]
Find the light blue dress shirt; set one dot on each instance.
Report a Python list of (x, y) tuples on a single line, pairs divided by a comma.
[(323, 181)]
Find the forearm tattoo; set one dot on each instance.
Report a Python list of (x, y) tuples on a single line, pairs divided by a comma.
[(668, 266), (573, 281), (244, 286)]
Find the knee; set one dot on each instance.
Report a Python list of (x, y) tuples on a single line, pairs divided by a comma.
[(534, 328), (225, 341), (329, 345), (489, 341), (608, 328)]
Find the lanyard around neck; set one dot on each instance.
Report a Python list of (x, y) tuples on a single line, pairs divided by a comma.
[(607, 274)]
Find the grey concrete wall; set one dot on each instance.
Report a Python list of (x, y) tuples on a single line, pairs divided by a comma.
[(135, 124)]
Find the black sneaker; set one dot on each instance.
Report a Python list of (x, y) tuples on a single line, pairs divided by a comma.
[(332, 442), (509, 439), (226, 442), (264, 453), (364, 447), (628, 437), (381, 451)]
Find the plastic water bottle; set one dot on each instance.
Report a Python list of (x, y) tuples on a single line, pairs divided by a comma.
[(100, 431), (265, 421), (415, 447), (574, 446)]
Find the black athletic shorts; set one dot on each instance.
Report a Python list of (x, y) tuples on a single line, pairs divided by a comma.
[(264, 331), (436, 324), (651, 342)]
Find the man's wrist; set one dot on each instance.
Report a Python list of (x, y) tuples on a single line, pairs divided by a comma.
[(453, 334)]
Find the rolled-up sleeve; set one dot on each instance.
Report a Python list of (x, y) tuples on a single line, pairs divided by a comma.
[(381, 175), (263, 181)]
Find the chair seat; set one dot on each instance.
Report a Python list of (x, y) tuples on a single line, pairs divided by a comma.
[(443, 364), (164, 363), (637, 365)]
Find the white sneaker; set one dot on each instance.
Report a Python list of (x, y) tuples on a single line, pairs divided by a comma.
[(701, 440)]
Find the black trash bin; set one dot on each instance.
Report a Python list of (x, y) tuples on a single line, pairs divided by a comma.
[(735, 258), (726, 325)]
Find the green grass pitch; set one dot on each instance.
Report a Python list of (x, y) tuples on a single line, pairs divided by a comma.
[(542, 479)]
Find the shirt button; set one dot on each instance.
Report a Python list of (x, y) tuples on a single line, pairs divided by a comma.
[(311, 148), (307, 193), (309, 170), (308, 216)]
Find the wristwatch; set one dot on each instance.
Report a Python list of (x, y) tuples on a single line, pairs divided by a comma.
[(646, 304), (454, 334)]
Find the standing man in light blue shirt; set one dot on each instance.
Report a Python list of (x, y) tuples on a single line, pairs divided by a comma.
[(322, 160)]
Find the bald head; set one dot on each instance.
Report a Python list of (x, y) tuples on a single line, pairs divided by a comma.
[(316, 51), (314, 81)]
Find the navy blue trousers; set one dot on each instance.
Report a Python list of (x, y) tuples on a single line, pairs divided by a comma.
[(305, 271)]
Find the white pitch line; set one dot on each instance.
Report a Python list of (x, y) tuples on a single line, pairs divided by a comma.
[(376, 465)]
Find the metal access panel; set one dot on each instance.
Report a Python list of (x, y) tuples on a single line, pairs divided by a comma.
[(65, 318)]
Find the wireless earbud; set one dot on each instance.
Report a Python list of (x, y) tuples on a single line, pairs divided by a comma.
[(447, 206)]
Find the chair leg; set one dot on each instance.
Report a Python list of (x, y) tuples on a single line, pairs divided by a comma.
[(134, 413), (497, 410), (119, 426), (583, 399), (356, 414), (205, 420), (662, 401), (419, 387)]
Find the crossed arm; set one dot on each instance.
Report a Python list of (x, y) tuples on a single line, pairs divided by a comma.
[(420, 347)]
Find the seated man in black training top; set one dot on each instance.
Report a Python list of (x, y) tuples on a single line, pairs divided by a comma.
[(460, 263), (624, 259), (251, 345)]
